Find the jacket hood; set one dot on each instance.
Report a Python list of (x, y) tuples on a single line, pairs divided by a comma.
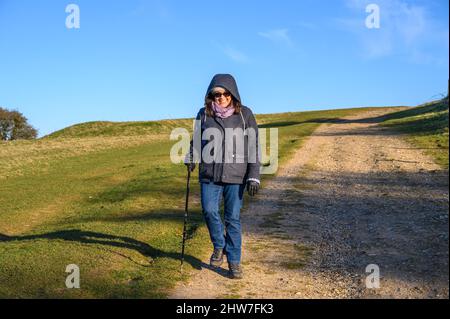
[(227, 82)]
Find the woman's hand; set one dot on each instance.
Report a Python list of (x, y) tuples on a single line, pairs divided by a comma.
[(190, 166), (189, 162), (252, 188)]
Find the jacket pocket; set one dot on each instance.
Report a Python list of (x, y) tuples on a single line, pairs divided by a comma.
[(238, 168)]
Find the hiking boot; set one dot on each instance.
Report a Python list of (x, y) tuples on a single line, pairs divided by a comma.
[(235, 271), (217, 258)]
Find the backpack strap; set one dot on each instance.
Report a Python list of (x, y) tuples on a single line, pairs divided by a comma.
[(245, 126)]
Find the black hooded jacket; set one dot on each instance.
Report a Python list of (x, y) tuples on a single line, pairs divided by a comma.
[(232, 164)]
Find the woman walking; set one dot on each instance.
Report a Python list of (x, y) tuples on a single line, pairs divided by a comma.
[(226, 170)]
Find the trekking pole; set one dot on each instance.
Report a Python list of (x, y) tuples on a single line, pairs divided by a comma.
[(185, 218)]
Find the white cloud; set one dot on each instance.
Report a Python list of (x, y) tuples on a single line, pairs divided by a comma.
[(278, 36), (235, 55), (231, 52), (406, 29)]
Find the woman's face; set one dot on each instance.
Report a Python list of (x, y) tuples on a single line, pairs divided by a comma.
[(222, 97)]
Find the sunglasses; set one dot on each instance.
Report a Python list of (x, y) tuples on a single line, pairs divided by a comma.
[(218, 95)]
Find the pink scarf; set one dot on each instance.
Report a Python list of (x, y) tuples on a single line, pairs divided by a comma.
[(223, 112)]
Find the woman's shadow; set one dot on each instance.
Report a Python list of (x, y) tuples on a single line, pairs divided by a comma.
[(89, 237)]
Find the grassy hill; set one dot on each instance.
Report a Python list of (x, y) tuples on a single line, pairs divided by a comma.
[(425, 126), (107, 129), (106, 197)]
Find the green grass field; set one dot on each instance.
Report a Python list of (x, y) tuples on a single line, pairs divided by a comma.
[(426, 127), (106, 197)]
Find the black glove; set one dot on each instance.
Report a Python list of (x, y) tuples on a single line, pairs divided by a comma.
[(252, 188)]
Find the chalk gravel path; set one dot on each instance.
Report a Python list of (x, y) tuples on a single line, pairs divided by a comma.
[(353, 195)]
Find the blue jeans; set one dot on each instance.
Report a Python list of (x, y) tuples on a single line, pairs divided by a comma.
[(211, 196)]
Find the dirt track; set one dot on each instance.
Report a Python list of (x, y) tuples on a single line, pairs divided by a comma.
[(355, 194)]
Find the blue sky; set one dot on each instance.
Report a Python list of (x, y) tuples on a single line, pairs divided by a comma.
[(140, 60)]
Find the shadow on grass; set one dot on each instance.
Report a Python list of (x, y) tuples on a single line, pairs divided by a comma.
[(338, 120), (89, 237), (282, 124), (433, 107)]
